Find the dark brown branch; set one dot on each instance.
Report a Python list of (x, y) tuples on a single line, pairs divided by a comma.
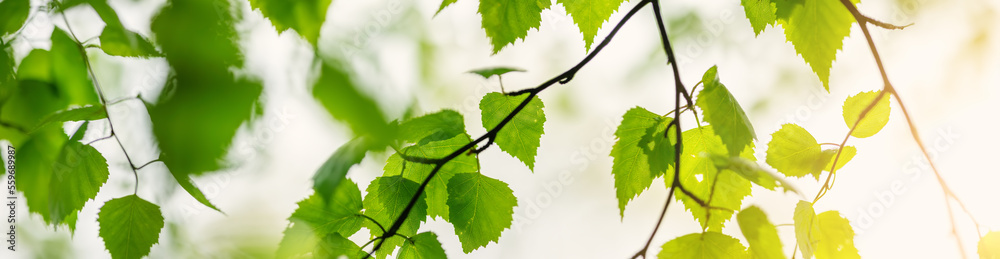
[(563, 78)]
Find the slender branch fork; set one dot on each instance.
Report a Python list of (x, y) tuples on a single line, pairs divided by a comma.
[(105, 103), (864, 21)]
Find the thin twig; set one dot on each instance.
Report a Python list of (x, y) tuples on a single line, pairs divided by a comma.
[(563, 78)]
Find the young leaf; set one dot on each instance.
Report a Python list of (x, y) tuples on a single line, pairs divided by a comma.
[(760, 13), (338, 214), (836, 238), (806, 228), (444, 4), (118, 41), (78, 173), (35, 158), (724, 113), (795, 153), (424, 246), (819, 49), (704, 245), (495, 71), (506, 21), (631, 168), (297, 241), (200, 110), (129, 226), (334, 246), (437, 188), (69, 70), (989, 246), (342, 98), (718, 188), (828, 235), (760, 233), (749, 170), (305, 17), (87, 113), (481, 208), (876, 118), (332, 172), (187, 184), (521, 136), (845, 156), (590, 15), (385, 201), (441, 125), (14, 13)]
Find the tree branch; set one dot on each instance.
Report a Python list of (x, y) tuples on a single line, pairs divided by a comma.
[(563, 78)]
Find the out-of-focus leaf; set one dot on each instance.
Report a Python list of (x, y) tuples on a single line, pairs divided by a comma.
[(495, 71), (342, 98), (14, 13), (304, 16), (332, 172)]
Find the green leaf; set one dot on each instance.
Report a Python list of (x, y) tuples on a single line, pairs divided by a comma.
[(70, 70), (59, 174), (187, 184), (749, 170), (200, 110), (506, 21), (806, 228), (590, 15), (795, 153), (724, 113), (342, 98), (783, 8), (444, 3), (441, 125), (118, 41), (305, 16), (129, 226), (760, 13), (78, 173), (989, 246), (760, 234), (87, 113), (437, 188), (845, 156), (424, 246), (495, 71), (7, 79), (297, 241), (719, 188), (333, 171), (14, 13), (481, 208), (817, 30), (387, 197), (827, 235), (316, 218), (334, 246), (836, 238), (631, 169), (338, 214), (704, 245), (522, 135), (876, 118)]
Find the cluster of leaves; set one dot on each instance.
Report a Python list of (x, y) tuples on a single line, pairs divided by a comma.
[(194, 120), (479, 207)]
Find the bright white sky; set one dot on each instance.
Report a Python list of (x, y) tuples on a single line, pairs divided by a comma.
[(945, 68)]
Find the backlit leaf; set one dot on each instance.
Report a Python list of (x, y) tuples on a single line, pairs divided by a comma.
[(481, 208), (507, 21), (129, 226), (876, 118), (590, 15), (521, 136), (424, 246), (760, 233), (724, 113), (817, 30), (704, 245)]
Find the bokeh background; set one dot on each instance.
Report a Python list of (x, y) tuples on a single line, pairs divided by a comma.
[(946, 68)]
